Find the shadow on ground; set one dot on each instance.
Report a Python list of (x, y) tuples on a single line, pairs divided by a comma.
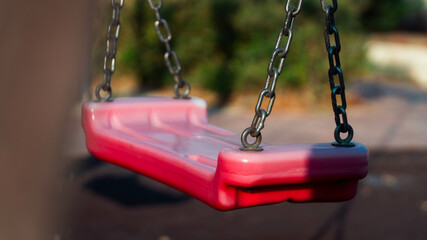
[(129, 192)]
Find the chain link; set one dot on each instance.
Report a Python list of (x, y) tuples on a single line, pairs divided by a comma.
[(113, 32), (342, 125), (274, 69), (171, 58)]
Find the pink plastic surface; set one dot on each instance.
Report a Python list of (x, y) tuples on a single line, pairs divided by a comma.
[(170, 140)]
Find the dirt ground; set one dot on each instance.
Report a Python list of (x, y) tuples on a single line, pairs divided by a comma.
[(107, 202)]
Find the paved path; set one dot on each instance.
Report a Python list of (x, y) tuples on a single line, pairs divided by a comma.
[(390, 116)]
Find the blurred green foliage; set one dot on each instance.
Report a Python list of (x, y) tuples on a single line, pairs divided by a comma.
[(386, 15), (225, 45)]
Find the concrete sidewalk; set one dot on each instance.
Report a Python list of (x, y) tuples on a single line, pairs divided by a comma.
[(389, 117)]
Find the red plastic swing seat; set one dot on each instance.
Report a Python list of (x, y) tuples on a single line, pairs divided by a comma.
[(170, 140)]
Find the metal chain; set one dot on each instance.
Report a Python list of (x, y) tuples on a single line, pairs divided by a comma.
[(342, 125), (273, 71), (110, 53), (171, 58)]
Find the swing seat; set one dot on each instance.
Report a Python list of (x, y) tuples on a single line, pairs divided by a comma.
[(171, 141)]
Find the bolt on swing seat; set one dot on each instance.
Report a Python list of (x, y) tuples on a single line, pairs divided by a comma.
[(171, 140)]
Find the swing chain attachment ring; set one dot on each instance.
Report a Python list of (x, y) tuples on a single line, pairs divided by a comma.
[(113, 33), (186, 87), (275, 68), (171, 58), (342, 125), (251, 146), (106, 88)]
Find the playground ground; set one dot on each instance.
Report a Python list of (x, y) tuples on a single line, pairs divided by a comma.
[(107, 202)]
